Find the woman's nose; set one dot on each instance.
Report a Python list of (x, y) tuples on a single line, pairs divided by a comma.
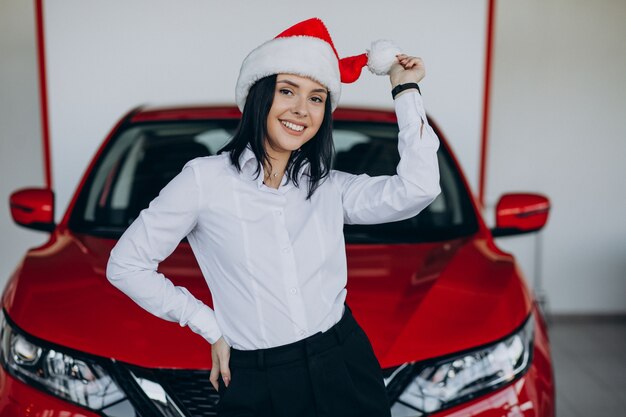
[(299, 106)]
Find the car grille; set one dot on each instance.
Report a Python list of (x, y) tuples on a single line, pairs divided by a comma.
[(190, 389)]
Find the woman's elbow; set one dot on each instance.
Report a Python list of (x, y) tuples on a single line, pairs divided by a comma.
[(426, 192), (436, 191), (114, 271)]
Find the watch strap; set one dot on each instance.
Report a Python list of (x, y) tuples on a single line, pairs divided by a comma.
[(401, 87)]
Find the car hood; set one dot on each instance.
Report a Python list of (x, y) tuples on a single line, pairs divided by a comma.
[(415, 301)]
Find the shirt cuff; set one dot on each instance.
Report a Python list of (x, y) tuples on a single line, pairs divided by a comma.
[(204, 323), (409, 108)]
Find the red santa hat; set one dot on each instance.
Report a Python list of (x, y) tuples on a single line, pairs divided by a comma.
[(306, 49)]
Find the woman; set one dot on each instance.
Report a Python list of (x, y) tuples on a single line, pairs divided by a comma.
[(264, 218)]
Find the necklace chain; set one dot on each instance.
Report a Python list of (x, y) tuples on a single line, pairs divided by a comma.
[(275, 174), (272, 176)]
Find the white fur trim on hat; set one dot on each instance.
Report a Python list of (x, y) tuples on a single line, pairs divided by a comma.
[(300, 55)]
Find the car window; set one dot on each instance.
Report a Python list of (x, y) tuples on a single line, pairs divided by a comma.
[(372, 148), (144, 157)]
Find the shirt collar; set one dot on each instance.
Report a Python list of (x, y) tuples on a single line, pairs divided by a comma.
[(246, 156), (248, 164)]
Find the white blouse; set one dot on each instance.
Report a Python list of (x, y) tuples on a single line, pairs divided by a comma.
[(275, 263)]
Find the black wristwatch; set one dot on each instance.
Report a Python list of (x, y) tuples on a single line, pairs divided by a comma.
[(402, 87)]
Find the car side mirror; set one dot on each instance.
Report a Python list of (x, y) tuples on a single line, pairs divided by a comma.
[(518, 213), (33, 208)]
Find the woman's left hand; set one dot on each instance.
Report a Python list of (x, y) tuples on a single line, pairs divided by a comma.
[(408, 69)]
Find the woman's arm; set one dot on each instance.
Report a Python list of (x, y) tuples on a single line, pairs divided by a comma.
[(386, 198), (152, 237)]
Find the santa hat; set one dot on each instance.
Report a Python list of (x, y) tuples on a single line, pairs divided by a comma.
[(306, 49)]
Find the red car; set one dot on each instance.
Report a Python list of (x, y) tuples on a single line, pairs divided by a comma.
[(452, 322)]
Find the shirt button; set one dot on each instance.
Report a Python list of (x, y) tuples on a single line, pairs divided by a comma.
[(302, 332), (278, 212), (293, 290), (286, 249)]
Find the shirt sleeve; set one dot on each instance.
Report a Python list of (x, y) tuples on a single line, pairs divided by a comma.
[(152, 237), (387, 198)]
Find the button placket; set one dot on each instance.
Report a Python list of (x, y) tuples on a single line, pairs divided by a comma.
[(288, 262)]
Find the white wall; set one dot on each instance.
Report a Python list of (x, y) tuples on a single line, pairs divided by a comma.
[(21, 154), (558, 127), (103, 60)]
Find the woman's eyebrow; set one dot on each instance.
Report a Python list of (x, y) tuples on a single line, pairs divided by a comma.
[(320, 90)]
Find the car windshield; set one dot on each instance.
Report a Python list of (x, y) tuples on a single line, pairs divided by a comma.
[(143, 157)]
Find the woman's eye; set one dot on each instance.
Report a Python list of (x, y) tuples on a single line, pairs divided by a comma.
[(287, 91)]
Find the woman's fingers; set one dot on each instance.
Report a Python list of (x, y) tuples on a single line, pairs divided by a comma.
[(215, 373), (220, 356), (407, 69), (225, 370), (407, 61)]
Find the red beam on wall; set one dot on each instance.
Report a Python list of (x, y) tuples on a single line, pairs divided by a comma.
[(485, 122), (43, 92)]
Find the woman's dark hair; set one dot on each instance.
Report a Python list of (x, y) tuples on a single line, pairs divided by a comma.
[(252, 129)]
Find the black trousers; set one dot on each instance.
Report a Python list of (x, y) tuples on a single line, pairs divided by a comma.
[(329, 374)]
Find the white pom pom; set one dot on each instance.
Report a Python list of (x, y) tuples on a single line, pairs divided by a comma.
[(381, 56)]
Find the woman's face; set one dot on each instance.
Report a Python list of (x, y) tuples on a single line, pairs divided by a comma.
[(297, 113)]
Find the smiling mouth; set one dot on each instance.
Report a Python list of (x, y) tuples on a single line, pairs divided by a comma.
[(292, 126)]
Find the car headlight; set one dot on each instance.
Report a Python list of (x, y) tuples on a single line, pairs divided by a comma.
[(431, 387), (71, 378)]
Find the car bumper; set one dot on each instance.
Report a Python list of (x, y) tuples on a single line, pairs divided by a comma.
[(528, 396)]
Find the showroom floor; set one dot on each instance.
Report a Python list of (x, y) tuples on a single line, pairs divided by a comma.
[(590, 366)]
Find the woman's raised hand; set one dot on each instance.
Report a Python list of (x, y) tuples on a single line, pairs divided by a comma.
[(220, 356), (408, 69)]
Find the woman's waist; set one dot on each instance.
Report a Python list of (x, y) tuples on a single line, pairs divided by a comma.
[(297, 350), (265, 326)]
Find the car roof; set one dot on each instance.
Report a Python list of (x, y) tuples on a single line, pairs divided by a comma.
[(153, 113)]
